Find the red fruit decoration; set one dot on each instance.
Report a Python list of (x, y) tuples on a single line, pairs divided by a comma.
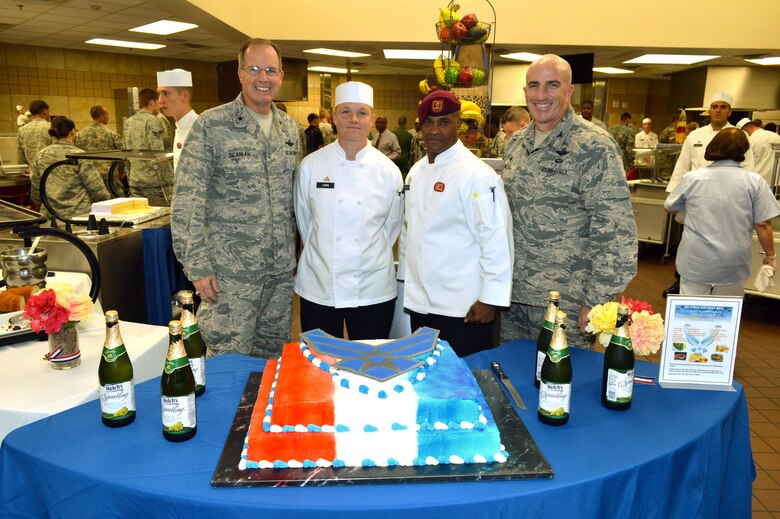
[(444, 34), (458, 31), (469, 20), (466, 76)]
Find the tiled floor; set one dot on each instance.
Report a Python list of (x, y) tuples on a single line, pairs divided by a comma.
[(758, 370)]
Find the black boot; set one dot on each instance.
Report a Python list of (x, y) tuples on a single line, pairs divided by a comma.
[(674, 289)]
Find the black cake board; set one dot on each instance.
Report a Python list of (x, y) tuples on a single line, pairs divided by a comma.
[(525, 461)]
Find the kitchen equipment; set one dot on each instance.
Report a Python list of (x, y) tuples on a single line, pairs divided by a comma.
[(27, 225), (22, 268)]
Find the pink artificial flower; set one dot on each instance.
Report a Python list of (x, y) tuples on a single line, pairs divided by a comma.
[(647, 332), (81, 306)]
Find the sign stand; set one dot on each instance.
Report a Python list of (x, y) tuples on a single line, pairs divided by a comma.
[(700, 346)]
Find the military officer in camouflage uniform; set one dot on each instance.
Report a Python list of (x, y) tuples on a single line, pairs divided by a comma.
[(143, 131), (624, 136), (232, 222), (574, 230), (71, 190), (99, 137), (34, 136)]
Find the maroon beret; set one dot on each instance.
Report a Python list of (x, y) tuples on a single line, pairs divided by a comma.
[(437, 103)]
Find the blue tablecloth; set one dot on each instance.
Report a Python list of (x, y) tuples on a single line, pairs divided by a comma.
[(163, 275), (675, 454)]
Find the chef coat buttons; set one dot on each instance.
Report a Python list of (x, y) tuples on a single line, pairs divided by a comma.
[(359, 202), (357, 240), (341, 202)]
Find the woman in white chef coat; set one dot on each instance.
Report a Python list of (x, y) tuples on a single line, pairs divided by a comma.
[(349, 210)]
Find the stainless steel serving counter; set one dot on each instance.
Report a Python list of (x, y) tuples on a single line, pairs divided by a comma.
[(121, 258), (653, 223)]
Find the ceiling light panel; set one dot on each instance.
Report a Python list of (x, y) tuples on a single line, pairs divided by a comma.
[(522, 56), (413, 54), (126, 44), (669, 59), (612, 70), (766, 61), (336, 52), (164, 27), (331, 70)]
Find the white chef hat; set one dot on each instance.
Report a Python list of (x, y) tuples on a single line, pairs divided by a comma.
[(743, 122), (723, 96), (646, 120), (354, 92), (174, 78)]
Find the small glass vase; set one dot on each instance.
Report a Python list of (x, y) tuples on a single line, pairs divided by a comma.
[(64, 352)]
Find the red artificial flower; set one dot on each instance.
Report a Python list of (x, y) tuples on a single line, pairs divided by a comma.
[(45, 313), (635, 305)]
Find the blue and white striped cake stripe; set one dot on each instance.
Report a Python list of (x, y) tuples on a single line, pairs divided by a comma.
[(499, 457), (269, 408)]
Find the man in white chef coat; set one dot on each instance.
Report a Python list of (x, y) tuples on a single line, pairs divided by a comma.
[(175, 89), (761, 144), (646, 139), (458, 235), (349, 209), (692, 155)]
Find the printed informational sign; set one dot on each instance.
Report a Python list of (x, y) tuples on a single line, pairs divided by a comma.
[(700, 346)]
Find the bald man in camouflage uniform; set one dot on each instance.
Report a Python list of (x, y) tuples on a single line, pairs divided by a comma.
[(99, 137), (34, 136), (143, 131), (232, 222), (574, 229)]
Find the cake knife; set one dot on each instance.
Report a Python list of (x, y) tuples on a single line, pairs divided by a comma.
[(504, 380)]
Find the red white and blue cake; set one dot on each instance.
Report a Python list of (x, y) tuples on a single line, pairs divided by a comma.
[(330, 402)]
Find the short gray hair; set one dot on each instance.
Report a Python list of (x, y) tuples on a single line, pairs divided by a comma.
[(257, 41)]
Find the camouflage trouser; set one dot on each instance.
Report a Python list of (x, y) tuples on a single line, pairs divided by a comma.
[(158, 196), (524, 321), (252, 316)]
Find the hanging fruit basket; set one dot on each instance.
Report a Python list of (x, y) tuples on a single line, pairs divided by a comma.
[(465, 63), (463, 33)]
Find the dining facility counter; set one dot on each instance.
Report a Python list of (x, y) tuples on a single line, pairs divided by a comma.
[(32, 390), (674, 454)]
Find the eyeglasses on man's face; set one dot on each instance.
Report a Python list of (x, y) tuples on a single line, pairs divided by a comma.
[(255, 71)]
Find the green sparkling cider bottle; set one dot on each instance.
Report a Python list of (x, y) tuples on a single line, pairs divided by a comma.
[(115, 375), (546, 332), (193, 341), (177, 388), (617, 382), (555, 379)]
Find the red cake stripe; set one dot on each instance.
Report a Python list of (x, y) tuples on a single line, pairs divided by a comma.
[(289, 446), (304, 393)]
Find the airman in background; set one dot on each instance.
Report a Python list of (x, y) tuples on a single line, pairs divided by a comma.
[(143, 131), (624, 136), (99, 137), (34, 136)]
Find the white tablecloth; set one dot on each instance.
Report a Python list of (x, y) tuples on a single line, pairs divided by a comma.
[(30, 389)]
